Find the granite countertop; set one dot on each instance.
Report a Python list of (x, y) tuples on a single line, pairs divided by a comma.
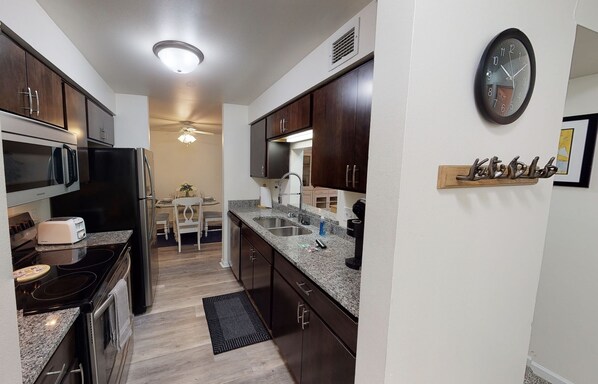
[(325, 267), (99, 238), (39, 336)]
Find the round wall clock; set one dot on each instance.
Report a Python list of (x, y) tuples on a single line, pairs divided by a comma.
[(505, 78)]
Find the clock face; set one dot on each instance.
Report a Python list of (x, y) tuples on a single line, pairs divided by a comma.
[(505, 77)]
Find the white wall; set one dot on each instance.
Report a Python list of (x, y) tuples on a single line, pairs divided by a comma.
[(450, 276), (131, 123), (199, 163), (313, 69), (586, 13), (28, 20), (564, 335), (237, 185), (9, 334)]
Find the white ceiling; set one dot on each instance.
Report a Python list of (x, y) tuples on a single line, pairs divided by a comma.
[(248, 45)]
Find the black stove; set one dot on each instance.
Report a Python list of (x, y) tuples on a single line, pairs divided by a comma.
[(75, 278)]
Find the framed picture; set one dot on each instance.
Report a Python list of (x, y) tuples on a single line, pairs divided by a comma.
[(576, 151)]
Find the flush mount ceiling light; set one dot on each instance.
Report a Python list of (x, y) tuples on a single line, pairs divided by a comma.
[(178, 56)]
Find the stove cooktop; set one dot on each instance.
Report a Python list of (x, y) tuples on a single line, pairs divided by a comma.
[(74, 280)]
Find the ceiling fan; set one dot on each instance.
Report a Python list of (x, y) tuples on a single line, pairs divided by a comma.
[(184, 126)]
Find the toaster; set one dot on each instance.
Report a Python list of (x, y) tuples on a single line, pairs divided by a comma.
[(61, 230)]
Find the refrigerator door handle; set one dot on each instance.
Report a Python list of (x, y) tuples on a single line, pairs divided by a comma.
[(152, 227)]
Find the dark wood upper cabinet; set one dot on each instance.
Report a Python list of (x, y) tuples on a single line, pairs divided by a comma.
[(28, 86), (258, 152), (100, 124), (341, 126), (46, 88), (268, 159), (291, 118), (75, 117), (14, 77)]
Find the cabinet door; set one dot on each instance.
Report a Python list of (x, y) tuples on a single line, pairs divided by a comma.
[(61, 361), (325, 358), (286, 329), (362, 125), (76, 122), (46, 86), (246, 264), (335, 107), (294, 117), (14, 77), (262, 285), (298, 116), (257, 167), (278, 159), (100, 124), (274, 122)]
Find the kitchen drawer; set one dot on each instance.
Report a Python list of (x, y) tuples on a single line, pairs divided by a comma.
[(334, 316), (260, 244)]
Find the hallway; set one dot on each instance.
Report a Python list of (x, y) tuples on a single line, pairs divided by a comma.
[(172, 342)]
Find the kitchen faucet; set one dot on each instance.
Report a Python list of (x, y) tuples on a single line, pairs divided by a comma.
[(300, 189)]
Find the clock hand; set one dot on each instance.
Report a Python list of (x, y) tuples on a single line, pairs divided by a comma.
[(520, 70), (503, 68)]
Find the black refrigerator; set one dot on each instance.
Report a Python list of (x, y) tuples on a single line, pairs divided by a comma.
[(120, 196)]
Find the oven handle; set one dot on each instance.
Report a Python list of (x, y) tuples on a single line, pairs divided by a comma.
[(106, 304)]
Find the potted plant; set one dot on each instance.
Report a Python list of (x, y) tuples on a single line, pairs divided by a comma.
[(187, 188)]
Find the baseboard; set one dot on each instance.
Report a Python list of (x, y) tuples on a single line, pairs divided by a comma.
[(224, 264), (546, 373)]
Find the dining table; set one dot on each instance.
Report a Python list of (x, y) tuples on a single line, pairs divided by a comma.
[(167, 202)]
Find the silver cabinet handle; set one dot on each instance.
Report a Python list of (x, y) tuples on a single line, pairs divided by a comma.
[(30, 97), (81, 372), (37, 102), (354, 172), (301, 285), (347, 176), (263, 171), (299, 307), (284, 123), (303, 322), (60, 374)]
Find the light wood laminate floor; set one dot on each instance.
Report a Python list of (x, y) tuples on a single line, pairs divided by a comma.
[(172, 342)]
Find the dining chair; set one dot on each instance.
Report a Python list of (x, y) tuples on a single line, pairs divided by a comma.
[(188, 218), (163, 219), (211, 217)]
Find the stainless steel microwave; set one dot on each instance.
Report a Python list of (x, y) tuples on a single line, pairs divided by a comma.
[(40, 160)]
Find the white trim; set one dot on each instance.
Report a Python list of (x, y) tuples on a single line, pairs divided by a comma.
[(224, 264), (546, 374)]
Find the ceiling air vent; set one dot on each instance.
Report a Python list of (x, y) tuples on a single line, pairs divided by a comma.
[(344, 44)]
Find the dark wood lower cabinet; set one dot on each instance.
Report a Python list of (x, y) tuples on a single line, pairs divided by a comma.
[(286, 330), (312, 351), (256, 276), (325, 358), (64, 366)]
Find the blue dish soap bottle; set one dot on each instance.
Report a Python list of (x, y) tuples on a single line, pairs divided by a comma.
[(322, 228)]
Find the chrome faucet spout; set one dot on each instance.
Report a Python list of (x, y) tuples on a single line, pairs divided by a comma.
[(300, 188)]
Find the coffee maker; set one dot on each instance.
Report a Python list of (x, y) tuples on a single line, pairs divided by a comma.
[(355, 229)]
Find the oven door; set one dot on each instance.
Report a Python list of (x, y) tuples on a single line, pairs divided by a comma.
[(107, 362)]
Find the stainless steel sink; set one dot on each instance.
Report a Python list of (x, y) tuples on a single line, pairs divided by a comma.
[(273, 222), (289, 231), (280, 226)]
